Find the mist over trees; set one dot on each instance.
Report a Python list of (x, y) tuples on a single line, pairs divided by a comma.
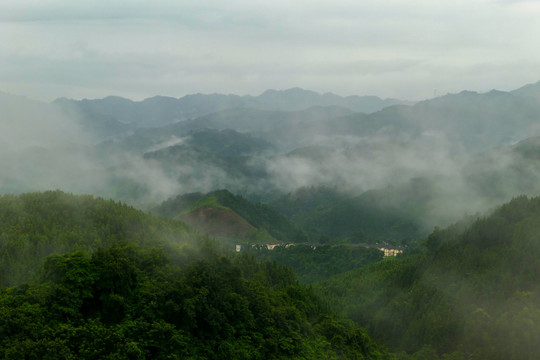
[(249, 194), (94, 279), (470, 290), (461, 150)]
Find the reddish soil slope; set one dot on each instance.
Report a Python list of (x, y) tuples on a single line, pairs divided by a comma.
[(218, 222)]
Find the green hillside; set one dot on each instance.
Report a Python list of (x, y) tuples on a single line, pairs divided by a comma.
[(472, 290), (227, 142), (188, 165), (390, 214), (146, 288), (261, 216), (35, 225), (314, 263)]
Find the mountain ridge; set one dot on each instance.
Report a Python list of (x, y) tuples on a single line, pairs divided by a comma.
[(143, 113)]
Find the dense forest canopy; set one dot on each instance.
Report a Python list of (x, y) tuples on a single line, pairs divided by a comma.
[(471, 288), (35, 225), (97, 279)]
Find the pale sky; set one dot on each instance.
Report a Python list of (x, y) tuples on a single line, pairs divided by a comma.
[(407, 49)]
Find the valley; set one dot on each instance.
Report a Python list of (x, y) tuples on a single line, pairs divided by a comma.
[(285, 225)]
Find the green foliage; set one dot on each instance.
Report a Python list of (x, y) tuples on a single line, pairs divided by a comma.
[(472, 292), (210, 200), (130, 303), (319, 263), (261, 216), (35, 225), (227, 142), (189, 165), (139, 287), (378, 214)]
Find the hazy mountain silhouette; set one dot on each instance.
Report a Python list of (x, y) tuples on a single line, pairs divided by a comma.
[(162, 110)]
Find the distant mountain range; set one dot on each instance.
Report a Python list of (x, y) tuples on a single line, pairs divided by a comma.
[(471, 121), (161, 110), (461, 149)]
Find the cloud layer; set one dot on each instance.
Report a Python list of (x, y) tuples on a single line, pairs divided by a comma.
[(400, 49)]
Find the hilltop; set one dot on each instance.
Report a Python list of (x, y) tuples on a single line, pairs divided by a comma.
[(223, 214)]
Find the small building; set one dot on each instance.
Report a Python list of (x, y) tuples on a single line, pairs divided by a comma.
[(266, 245), (390, 250), (387, 249)]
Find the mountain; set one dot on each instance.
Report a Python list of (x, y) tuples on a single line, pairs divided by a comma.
[(198, 170), (29, 123), (387, 214), (296, 99), (221, 213), (101, 127), (472, 288), (411, 206), (446, 142), (529, 90), (472, 121), (227, 143), (35, 225), (468, 120), (283, 129), (219, 222), (160, 110)]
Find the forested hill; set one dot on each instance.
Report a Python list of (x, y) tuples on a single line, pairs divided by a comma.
[(389, 214), (147, 288), (260, 216), (35, 225), (472, 291)]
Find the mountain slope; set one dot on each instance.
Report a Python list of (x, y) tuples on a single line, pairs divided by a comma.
[(148, 290), (218, 222), (225, 142), (35, 225), (259, 216), (281, 128), (529, 90), (29, 123), (468, 120), (374, 216), (475, 289)]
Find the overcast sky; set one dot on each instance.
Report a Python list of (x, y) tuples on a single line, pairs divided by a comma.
[(409, 49)]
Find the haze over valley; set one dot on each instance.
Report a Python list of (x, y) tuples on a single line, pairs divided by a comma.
[(420, 165), (292, 167), (270, 180)]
